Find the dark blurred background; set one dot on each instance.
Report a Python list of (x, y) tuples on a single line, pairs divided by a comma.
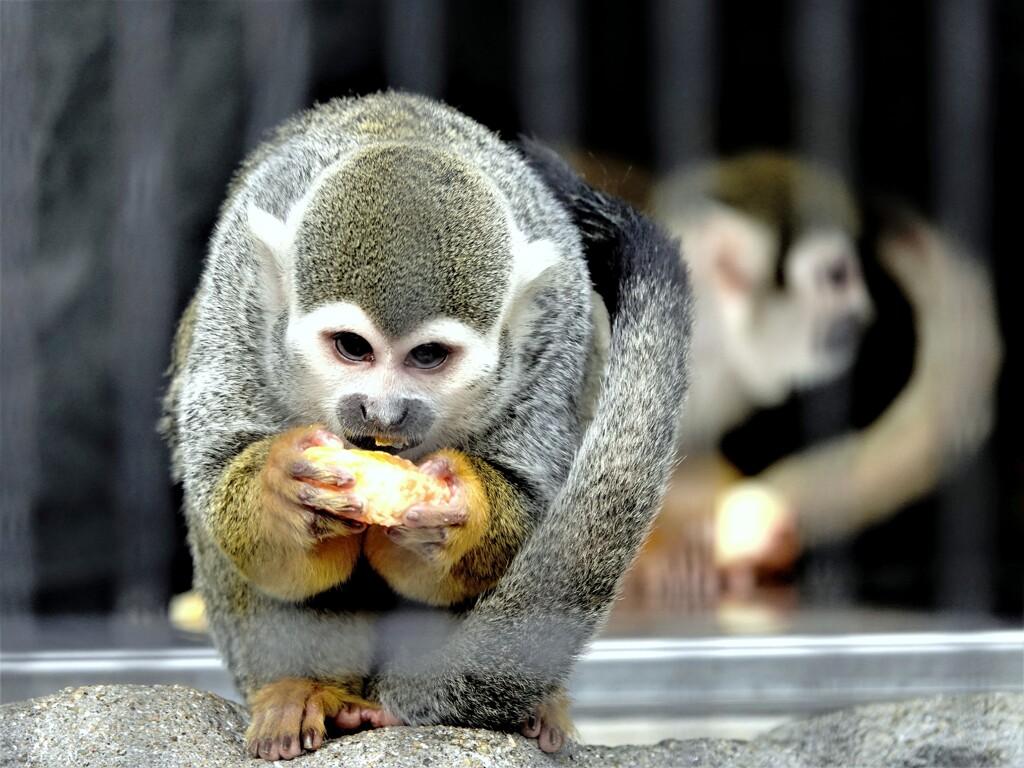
[(122, 123)]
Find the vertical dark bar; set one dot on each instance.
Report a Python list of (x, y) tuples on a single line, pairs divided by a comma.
[(962, 136), (549, 69), (961, 162), (143, 297), (19, 372), (278, 55), (683, 38), (822, 66), (823, 80), (414, 46)]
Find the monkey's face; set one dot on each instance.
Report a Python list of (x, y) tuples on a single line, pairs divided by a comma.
[(789, 315), (824, 283), (408, 394), (397, 273), (804, 326)]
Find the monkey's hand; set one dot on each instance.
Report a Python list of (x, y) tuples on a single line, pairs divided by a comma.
[(315, 498), (428, 529), (289, 525), (444, 553)]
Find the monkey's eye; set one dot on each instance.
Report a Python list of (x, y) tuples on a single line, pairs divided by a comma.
[(838, 275), (352, 346), (427, 355)]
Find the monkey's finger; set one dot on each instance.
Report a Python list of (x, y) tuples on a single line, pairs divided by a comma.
[(349, 717), (327, 474), (330, 500), (320, 437), (439, 466), (531, 728), (434, 516), (551, 738)]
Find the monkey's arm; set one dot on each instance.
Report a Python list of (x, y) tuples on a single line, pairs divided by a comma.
[(289, 537), (443, 556), (245, 486)]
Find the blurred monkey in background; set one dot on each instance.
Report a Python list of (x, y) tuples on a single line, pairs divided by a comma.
[(775, 247)]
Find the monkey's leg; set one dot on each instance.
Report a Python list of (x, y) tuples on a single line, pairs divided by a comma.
[(289, 715), (551, 724), (442, 555), (302, 670), (291, 528)]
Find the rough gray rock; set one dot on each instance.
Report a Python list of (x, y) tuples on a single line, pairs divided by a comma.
[(135, 726)]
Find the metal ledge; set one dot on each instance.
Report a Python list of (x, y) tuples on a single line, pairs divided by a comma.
[(663, 677), (792, 674)]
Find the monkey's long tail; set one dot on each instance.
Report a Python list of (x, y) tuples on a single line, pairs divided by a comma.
[(522, 639)]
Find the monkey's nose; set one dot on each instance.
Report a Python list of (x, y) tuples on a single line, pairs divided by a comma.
[(384, 416)]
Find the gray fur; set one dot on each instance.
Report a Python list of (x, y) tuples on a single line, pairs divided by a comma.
[(592, 496), (419, 241)]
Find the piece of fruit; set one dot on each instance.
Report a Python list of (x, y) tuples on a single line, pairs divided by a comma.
[(388, 485), (188, 612)]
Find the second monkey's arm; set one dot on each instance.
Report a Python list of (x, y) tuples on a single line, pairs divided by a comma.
[(442, 555)]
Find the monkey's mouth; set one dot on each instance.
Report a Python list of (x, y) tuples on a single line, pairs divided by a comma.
[(842, 336), (385, 443)]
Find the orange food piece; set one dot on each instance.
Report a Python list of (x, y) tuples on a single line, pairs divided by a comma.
[(388, 485)]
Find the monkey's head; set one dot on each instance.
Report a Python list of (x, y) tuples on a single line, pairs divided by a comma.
[(771, 243), (396, 275)]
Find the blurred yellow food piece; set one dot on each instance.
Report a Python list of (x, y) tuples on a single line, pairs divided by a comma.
[(188, 612), (750, 519)]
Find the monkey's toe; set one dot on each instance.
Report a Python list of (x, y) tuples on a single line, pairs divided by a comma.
[(288, 716), (312, 739), (550, 738), (274, 731), (378, 718), (281, 748), (550, 725)]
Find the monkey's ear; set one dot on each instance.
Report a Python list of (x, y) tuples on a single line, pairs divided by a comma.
[(730, 252), (272, 239), (531, 260)]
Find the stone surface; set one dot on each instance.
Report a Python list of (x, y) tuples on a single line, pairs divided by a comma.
[(177, 726)]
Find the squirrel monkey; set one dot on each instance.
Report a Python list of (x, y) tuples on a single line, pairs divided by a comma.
[(387, 274), (775, 246)]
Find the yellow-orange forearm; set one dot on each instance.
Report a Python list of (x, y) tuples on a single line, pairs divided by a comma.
[(474, 555), (269, 541)]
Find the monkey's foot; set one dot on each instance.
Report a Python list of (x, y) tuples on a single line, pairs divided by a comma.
[(551, 725), (288, 716)]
